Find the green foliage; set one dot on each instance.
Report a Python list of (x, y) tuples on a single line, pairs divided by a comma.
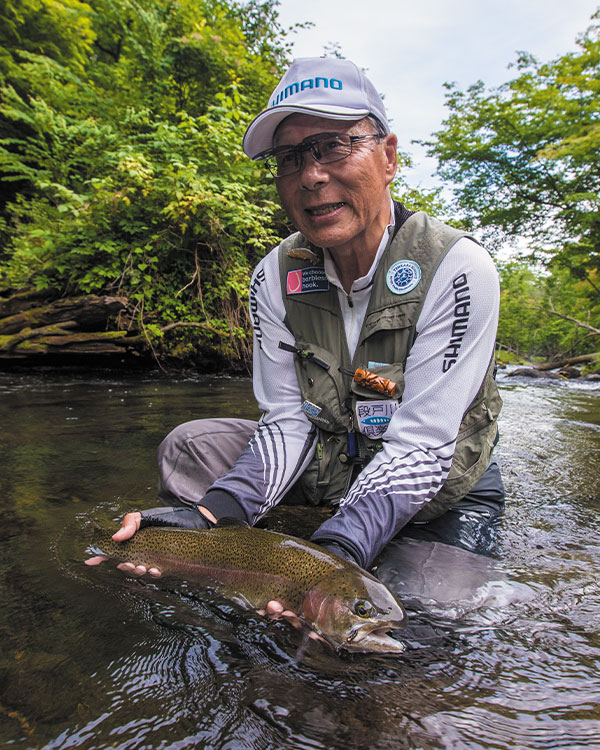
[(430, 200), (61, 29), (527, 326), (120, 149), (129, 176), (525, 156), (525, 165)]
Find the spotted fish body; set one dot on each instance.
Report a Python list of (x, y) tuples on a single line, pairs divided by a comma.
[(349, 607)]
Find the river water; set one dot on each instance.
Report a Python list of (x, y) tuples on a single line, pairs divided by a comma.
[(502, 652)]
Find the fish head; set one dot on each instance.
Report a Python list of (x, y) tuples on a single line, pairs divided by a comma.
[(352, 610)]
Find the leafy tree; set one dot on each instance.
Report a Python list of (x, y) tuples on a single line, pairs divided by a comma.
[(129, 174), (61, 30), (525, 157), (528, 325), (429, 200)]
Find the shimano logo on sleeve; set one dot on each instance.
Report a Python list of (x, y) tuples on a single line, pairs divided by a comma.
[(259, 279), (462, 308), (308, 83)]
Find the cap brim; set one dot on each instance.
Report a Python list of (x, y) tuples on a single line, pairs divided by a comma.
[(258, 138)]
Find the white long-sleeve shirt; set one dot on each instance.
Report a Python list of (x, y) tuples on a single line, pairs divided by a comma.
[(442, 376)]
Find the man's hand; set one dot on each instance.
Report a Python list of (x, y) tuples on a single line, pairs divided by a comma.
[(129, 525), (186, 518), (275, 611)]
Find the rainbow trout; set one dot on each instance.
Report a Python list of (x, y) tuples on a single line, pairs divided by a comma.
[(344, 604)]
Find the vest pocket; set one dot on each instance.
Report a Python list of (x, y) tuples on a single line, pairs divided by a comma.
[(318, 482), (394, 372), (322, 387)]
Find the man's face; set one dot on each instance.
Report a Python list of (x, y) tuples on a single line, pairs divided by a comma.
[(342, 205)]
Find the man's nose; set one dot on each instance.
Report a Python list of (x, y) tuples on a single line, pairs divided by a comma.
[(312, 173)]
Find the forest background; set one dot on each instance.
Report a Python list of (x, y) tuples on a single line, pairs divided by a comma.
[(124, 182)]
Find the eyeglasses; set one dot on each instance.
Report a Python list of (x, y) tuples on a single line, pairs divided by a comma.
[(324, 148)]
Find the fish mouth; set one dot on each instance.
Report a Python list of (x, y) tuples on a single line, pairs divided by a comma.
[(373, 638), (325, 209)]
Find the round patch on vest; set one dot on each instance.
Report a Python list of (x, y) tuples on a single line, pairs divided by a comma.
[(403, 276)]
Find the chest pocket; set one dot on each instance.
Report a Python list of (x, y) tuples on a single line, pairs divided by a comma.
[(323, 387)]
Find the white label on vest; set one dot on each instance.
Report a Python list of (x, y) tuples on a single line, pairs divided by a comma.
[(403, 276), (373, 417)]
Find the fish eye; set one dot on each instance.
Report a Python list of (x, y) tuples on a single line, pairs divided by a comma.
[(363, 608)]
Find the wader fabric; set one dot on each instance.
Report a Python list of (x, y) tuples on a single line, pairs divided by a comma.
[(195, 454)]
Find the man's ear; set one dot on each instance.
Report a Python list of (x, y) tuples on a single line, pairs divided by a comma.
[(390, 149)]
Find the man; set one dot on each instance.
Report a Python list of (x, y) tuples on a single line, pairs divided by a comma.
[(365, 285)]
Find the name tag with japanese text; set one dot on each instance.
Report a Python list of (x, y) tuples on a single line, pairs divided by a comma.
[(373, 417)]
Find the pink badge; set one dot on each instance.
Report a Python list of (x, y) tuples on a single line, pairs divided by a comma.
[(294, 282)]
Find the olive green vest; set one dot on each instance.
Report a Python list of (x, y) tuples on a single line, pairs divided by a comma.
[(388, 332)]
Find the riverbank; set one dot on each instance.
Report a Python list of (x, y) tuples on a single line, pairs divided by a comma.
[(39, 330)]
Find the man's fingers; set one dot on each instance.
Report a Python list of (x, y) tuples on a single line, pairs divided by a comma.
[(95, 560), (127, 567), (129, 525), (275, 611), (139, 570)]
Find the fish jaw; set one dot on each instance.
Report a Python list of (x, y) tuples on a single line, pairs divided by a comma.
[(332, 608), (373, 638)]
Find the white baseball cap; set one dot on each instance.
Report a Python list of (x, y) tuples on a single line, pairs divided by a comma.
[(320, 86)]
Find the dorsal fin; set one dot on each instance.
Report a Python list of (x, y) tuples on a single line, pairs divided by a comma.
[(229, 521)]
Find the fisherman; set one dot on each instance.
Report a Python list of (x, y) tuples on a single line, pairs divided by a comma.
[(374, 331)]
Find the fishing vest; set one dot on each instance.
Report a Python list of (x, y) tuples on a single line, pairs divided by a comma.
[(330, 393)]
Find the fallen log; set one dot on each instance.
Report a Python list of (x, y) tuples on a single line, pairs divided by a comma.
[(87, 312), (17, 301), (66, 326), (58, 340), (534, 372), (581, 359)]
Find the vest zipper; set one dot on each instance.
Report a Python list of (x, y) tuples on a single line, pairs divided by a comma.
[(303, 354)]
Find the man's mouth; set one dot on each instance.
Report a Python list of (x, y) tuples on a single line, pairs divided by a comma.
[(325, 209)]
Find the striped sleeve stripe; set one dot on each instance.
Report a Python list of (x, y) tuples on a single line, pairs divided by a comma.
[(270, 445), (395, 473), (420, 492), (266, 444)]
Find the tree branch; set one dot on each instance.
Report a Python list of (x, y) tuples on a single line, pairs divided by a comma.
[(579, 323)]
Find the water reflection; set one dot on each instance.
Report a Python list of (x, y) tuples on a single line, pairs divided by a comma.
[(502, 653)]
